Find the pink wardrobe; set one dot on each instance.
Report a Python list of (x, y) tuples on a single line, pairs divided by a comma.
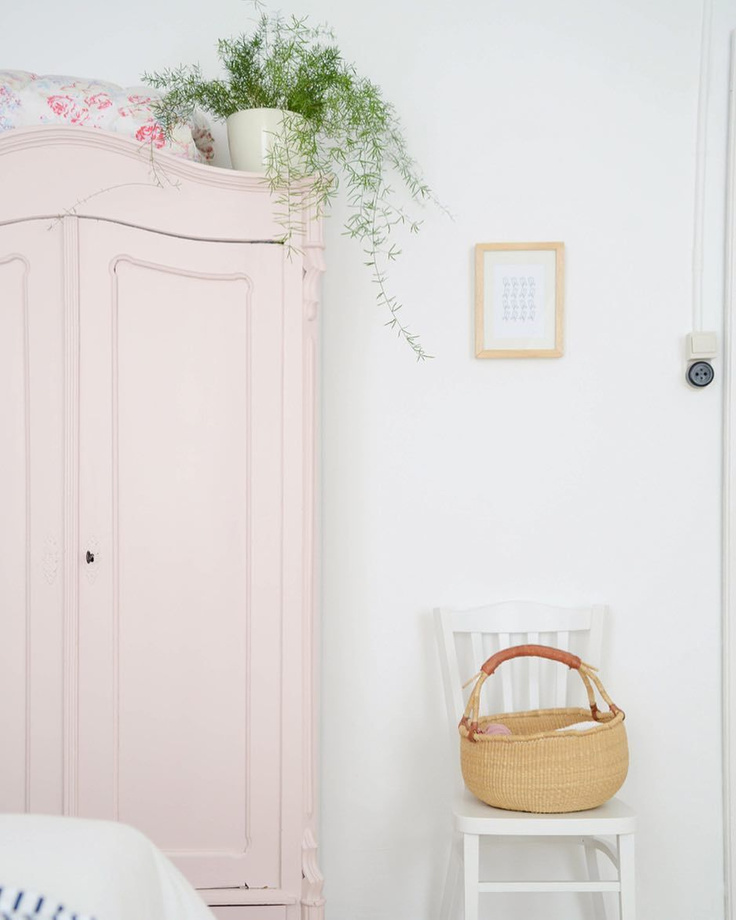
[(158, 368)]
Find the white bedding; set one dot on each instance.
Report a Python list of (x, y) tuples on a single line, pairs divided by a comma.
[(31, 99), (94, 869)]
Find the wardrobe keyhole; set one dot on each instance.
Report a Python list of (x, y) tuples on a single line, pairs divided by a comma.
[(90, 556)]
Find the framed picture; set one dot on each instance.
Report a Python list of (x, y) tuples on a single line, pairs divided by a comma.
[(519, 292)]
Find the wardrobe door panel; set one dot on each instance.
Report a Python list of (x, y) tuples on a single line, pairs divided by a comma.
[(31, 536), (180, 606)]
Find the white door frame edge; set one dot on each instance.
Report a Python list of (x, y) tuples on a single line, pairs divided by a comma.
[(729, 508)]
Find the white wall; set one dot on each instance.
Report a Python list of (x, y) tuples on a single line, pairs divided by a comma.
[(591, 478)]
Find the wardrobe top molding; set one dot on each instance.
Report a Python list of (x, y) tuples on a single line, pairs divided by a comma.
[(52, 172)]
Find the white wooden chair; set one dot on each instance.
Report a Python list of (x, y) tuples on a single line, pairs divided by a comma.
[(466, 639)]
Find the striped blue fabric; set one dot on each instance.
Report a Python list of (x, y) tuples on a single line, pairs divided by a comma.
[(19, 904)]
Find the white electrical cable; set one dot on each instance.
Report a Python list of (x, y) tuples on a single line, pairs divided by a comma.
[(700, 155)]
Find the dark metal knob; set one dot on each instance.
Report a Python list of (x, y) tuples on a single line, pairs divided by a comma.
[(90, 556)]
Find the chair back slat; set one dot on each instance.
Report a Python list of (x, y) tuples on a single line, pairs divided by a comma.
[(595, 641), (533, 667), (561, 674), (467, 638), (476, 639), (507, 687), (452, 677)]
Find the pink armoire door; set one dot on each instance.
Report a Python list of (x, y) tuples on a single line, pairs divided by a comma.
[(32, 470), (180, 486)]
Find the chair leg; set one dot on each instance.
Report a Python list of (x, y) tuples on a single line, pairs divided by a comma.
[(452, 880), (471, 875), (627, 877), (594, 875)]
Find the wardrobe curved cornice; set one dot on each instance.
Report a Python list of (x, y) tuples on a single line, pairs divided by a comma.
[(51, 172)]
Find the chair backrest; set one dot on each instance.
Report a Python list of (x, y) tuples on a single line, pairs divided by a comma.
[(467, 638)]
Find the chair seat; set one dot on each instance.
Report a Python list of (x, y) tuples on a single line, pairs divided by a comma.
[(475, 817)]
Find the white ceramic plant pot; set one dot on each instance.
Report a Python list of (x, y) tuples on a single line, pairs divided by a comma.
[(251, 135)]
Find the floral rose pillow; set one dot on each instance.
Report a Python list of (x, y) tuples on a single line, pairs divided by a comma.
[(28, 99)]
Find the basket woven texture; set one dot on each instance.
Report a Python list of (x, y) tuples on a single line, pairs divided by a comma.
[(537, 768)]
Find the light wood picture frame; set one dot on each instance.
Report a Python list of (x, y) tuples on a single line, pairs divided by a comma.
[(519, 300)]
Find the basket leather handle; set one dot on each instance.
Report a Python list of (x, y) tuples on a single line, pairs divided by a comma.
[(531, 651), (586, 672)]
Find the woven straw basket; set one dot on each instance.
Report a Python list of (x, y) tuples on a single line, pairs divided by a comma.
[(537, 768)]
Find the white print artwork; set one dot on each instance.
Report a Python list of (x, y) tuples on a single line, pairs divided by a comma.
[(518, 301)]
